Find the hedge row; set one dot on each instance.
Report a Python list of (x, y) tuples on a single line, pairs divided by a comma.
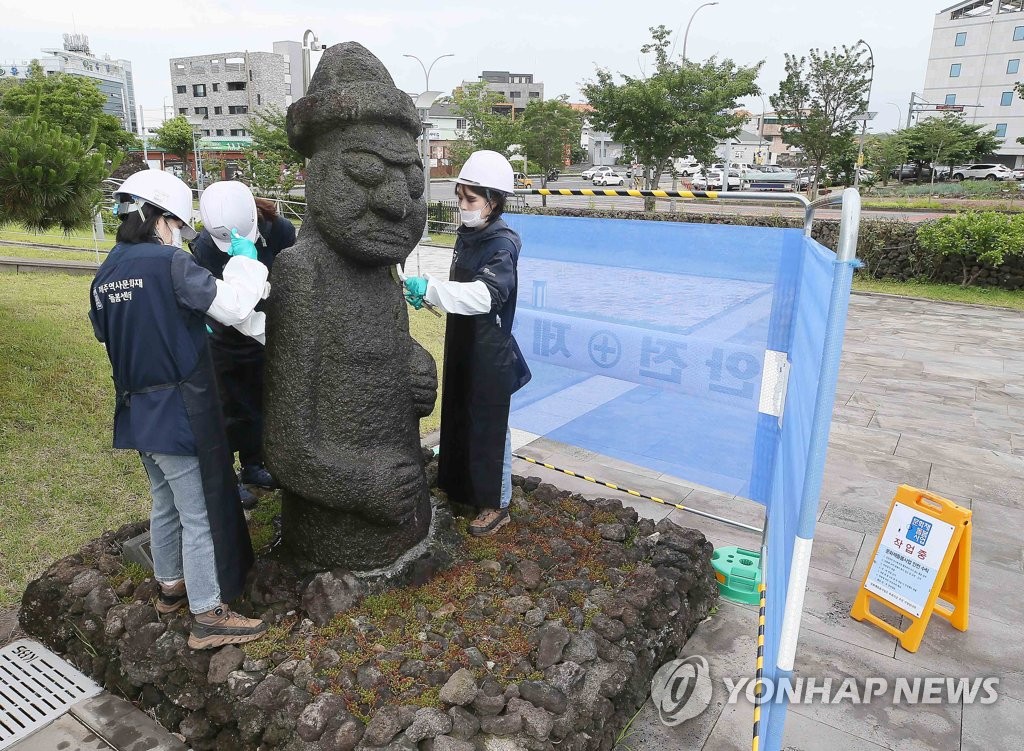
[(889, 249)]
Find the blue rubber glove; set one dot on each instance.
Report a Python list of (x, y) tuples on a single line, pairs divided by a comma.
[(241, 246), (415, 289), (208, 329)]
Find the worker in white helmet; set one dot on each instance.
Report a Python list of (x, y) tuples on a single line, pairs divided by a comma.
[(483, 365), (238, 359), (148, 305)]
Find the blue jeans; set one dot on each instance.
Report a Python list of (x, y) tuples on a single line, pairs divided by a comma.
[(506, 471), (179, 528)]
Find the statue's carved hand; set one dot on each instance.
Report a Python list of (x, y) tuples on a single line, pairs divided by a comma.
[(395, 485), (423, 380)]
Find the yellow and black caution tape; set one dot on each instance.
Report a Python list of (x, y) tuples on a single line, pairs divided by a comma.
[(638, 494), (613, 193), (759, 675)]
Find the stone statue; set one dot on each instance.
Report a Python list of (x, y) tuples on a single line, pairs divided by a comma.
[(346, 383)]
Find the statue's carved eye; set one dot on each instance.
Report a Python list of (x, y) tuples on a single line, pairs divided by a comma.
[(365, 169)]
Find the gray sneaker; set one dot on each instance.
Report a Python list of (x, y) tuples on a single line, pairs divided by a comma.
[(222, 626)]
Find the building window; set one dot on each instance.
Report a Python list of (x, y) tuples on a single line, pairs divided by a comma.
[(181, 89), (1006, 99), (515, 94), (238, 109), (250, 75), (1012, 66), (460, 123), (199, 89), (182, 110), (238, 132), (236, 85), (218, 110), (1018, 33), (206, 132), (220, 131), (1000, 130), (216, 87), (179, 68), (534, 95), (950, 98), (954, 70), (203, 112), (259, 99), (961, 39)]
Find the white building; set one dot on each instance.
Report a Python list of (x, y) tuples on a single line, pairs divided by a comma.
[(114, 77), (974, 62)]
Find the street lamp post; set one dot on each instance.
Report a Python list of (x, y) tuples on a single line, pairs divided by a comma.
[(900, 111), (197, 158), (424, 107), (868, 116), (308, 45), (687, 34)]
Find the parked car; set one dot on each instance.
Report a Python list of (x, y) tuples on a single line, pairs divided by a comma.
[(713, 180), (589, 174), (521, 180), (1018, 174), (983, 172), (609, 178)]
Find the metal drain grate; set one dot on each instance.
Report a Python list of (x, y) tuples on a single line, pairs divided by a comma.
[(36, 687)]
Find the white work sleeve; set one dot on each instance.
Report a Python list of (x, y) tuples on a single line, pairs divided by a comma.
[(255, 326), (243, 286), (461, 298)]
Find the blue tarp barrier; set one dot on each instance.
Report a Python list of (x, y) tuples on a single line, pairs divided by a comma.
[(652, 342)]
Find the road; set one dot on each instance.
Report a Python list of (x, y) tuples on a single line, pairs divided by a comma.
[(444, 190)]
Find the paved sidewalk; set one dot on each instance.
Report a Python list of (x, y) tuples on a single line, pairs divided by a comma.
[(929, 395)]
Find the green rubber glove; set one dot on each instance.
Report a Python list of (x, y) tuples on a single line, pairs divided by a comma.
[(415, 289), (241, 246)]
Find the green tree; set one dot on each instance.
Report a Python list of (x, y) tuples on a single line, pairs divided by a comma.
[(48, 176), (884, 153), (684, 108), (818, 99), (72, 103), (176, 136), (974, 238), (270, 138), (549, 130), (485, 128), (949, 139)]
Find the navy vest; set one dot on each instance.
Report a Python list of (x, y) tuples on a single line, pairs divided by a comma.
[(153, 344)]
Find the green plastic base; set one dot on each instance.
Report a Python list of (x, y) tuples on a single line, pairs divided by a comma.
[(738, 571)]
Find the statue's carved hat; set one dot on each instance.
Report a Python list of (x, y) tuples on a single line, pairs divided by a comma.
[(350, 85)]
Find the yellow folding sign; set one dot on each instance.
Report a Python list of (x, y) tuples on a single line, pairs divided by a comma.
[(921, 565)]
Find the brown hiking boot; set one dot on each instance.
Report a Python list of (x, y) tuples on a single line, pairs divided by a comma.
[(172, 598), (488, 522), (221, 626)]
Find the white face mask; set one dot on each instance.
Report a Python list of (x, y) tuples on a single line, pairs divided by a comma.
[(176, 237), (472, 219)]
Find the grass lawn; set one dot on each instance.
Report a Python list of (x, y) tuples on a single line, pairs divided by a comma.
[(78, 239), (945, 292), (61, 484), (21, 251)]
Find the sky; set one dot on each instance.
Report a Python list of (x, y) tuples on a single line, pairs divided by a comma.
[(560, 42)]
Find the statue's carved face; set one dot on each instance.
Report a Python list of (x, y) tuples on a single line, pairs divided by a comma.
[(365, 184)]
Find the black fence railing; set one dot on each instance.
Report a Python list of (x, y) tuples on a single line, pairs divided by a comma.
[(443, 217)]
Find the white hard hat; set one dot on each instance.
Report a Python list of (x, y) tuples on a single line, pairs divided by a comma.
[(487, 169), (162, 190), (228, 205)]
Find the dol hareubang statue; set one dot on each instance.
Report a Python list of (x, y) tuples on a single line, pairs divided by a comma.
[(346, 383)]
